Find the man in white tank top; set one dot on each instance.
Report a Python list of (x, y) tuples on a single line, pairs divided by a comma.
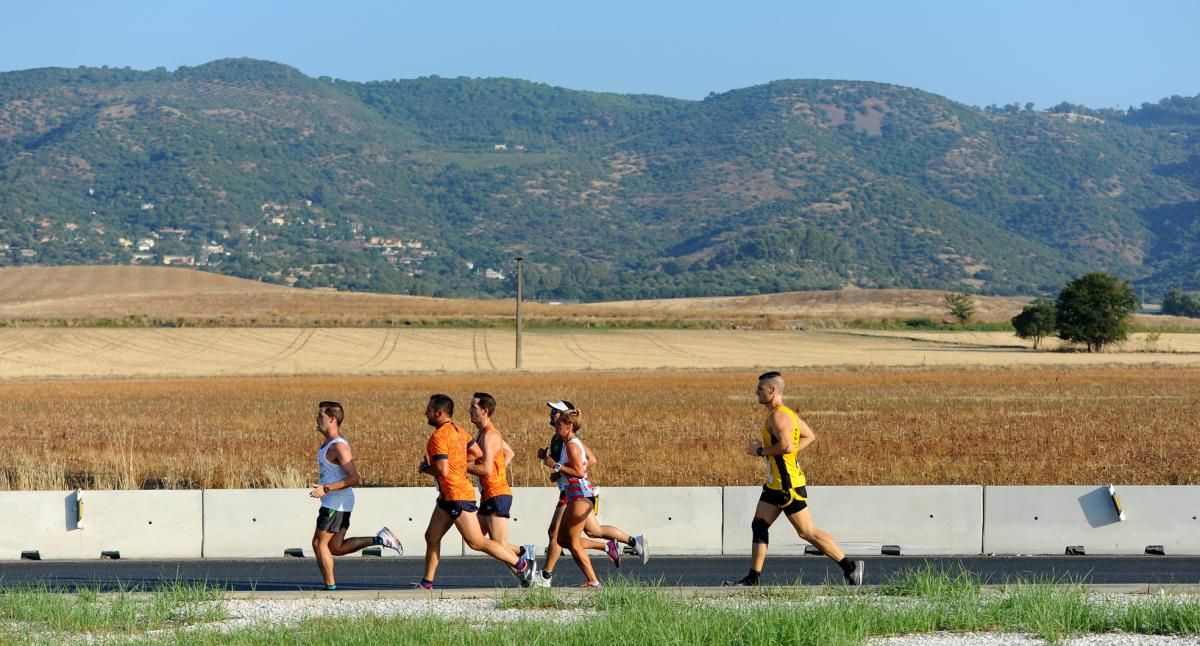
[(338, 474)]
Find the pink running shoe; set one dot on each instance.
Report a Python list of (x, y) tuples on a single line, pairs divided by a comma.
[(595, 585), (614, 552)]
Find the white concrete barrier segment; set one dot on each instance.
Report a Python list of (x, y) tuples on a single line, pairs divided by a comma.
[(675, 520), (404, 510), (137, 524), (263, 523), (919, 519), (1046, 520)]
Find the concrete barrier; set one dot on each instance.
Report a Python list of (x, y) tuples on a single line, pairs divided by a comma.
[(1047, 520), (135, 524), (258, 523), (675, 520), (918, 519)]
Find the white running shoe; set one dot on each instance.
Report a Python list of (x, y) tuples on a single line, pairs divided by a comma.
[(540, 581), (530, 574), (640, 548), (856, 575), (390, 541)]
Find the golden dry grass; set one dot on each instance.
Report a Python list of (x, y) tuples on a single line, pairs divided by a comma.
[(40, 353), (141, 296), (1020, 426)]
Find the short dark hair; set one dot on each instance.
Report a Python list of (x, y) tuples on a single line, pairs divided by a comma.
[(486, 402), (443, 403), (333, 410), (770, 375)]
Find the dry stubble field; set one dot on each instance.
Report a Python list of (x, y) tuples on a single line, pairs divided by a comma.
[(1132, 425), (227, 401)]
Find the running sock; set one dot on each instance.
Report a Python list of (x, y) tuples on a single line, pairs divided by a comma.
[(375, 540), (425, 584), (631, 542), (521, 552), (522, 563), (752, 577), (331, 587), (847, 565), (547, 575)]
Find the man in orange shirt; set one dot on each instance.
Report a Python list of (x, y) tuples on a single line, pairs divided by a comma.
[(495, 494), (446, 456)]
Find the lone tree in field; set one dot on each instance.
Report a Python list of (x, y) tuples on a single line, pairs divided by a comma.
[(1095, 310), (1036, 321), (960, 305)]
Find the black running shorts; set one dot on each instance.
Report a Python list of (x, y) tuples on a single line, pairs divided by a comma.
[(329, 520), (792, 504), (456, 507), (497, 506)]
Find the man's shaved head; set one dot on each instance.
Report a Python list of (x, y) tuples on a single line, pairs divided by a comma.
[(773, 379)]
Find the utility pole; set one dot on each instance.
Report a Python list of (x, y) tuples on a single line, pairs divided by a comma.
[(520, 289)]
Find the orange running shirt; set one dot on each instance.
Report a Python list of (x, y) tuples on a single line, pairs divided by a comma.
[(450, 442), (497, 483)]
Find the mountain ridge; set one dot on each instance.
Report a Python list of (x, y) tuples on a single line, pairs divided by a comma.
[(793, 184)]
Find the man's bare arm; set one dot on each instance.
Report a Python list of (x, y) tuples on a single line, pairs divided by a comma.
[(488, 466)]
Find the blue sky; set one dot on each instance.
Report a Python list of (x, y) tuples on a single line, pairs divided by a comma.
[(1100, 53)]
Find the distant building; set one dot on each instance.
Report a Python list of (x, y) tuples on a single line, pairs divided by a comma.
[(500, 147), (145, 244), (168, 231), (493, 274), (125, 243), (189, 261)]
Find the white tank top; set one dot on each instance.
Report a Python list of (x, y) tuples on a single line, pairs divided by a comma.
[(342, 499), (568, 484)]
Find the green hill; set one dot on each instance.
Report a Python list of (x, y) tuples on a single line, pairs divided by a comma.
[(252, 169)]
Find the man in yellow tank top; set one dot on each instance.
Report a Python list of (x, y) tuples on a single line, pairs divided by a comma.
[(783, 435)]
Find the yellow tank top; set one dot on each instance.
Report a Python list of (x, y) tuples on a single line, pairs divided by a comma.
[(783, 474)]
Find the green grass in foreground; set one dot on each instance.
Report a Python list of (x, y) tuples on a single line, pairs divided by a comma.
[(32, 613), (918, 602)]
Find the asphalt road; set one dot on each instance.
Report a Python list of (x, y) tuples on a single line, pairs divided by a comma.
[(371, 573)]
